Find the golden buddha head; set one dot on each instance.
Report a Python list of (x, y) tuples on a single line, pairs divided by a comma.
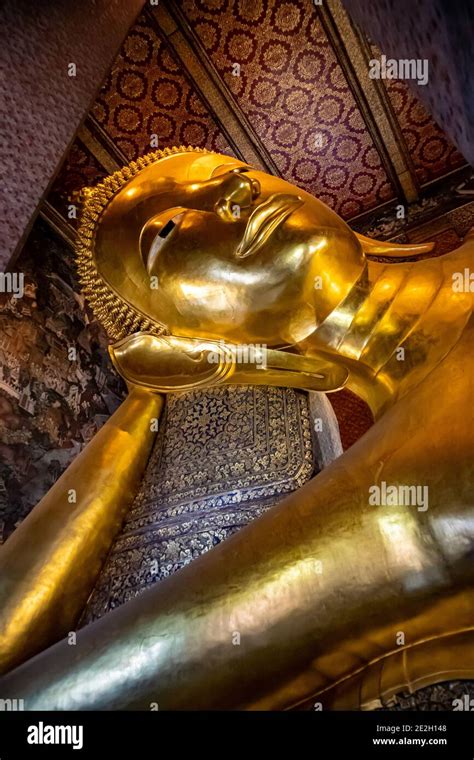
[(202, 245)]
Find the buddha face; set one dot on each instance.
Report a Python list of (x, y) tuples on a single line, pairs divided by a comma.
[(213, 248)]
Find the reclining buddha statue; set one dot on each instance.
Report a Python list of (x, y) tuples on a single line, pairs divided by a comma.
[(208, 274)]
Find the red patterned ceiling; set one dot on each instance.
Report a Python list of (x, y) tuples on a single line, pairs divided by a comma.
[(432, 154), (147, 93), (291, 89)]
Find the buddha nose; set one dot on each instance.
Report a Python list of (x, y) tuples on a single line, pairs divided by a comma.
[(238, 193)]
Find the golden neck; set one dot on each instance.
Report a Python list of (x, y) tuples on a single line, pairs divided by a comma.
[(396, 324)]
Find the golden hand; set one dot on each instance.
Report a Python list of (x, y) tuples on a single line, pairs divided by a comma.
[(170, 363)]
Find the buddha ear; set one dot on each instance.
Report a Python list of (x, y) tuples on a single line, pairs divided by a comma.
[(373, 247)]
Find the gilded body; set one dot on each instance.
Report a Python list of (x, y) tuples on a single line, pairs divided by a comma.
[(189, 255)]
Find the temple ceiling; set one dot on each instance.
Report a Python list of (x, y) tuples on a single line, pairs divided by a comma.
[(282, 85)]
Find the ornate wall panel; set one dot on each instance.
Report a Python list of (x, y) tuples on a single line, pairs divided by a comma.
[(223, 456), (451, 198), (51, 404), (353, 415)]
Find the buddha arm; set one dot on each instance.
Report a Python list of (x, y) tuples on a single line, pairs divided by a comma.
[(49, 564), (314, 591)]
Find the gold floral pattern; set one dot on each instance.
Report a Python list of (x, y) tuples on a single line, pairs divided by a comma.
[(222, 457)]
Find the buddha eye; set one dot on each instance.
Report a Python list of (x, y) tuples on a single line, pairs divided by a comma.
[(158, 241), (167, 229), (161, 238)]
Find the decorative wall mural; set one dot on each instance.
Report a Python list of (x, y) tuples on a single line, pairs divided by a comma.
[(52, 401)]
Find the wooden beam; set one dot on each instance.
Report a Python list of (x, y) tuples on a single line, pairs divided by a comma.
[(58, 223), (101, 145)]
